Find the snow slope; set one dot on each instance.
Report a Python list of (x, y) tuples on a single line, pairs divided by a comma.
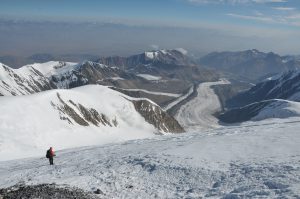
[(83, 116), (256, 160), (198, 112)]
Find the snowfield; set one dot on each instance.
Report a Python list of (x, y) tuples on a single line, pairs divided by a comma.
[(255, 160), (198, 112)]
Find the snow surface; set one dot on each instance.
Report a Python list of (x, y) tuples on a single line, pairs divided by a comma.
[(149, 77), (255, 160), (30, 124), (198, 112)]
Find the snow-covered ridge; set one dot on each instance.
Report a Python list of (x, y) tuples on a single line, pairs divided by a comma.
[(26, 80), (54, 74), (50, 68)]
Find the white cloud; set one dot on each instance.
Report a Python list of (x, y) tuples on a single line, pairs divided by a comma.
[(284, 8), (257, 18)]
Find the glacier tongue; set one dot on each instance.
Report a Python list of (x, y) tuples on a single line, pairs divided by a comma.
[(198, 112)]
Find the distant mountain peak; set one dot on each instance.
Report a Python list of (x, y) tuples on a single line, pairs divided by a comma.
[(161, 54)]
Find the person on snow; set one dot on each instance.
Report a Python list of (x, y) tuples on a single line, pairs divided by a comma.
[(50, 154)]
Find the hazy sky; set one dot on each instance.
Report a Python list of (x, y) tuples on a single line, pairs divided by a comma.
[(128, 26)]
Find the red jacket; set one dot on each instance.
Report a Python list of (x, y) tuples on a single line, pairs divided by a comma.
[(52, 154)]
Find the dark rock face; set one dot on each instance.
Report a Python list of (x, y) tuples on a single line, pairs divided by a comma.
[(250, 64), (44, 191), (90, 115), (282, 87), (154, 115)]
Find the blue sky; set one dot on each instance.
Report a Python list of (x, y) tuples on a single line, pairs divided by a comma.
[(200, 26), (278, 13)]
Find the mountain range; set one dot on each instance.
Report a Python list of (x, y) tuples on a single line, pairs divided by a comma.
[(252, 65)]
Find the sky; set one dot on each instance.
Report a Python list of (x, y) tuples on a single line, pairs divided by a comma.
[(210, 25)]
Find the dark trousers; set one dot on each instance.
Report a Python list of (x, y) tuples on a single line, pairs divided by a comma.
[(51, 160)]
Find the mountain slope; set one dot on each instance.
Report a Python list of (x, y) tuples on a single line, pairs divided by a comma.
[(83, 116), (262, 110), (283, 86), (275, 97)]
